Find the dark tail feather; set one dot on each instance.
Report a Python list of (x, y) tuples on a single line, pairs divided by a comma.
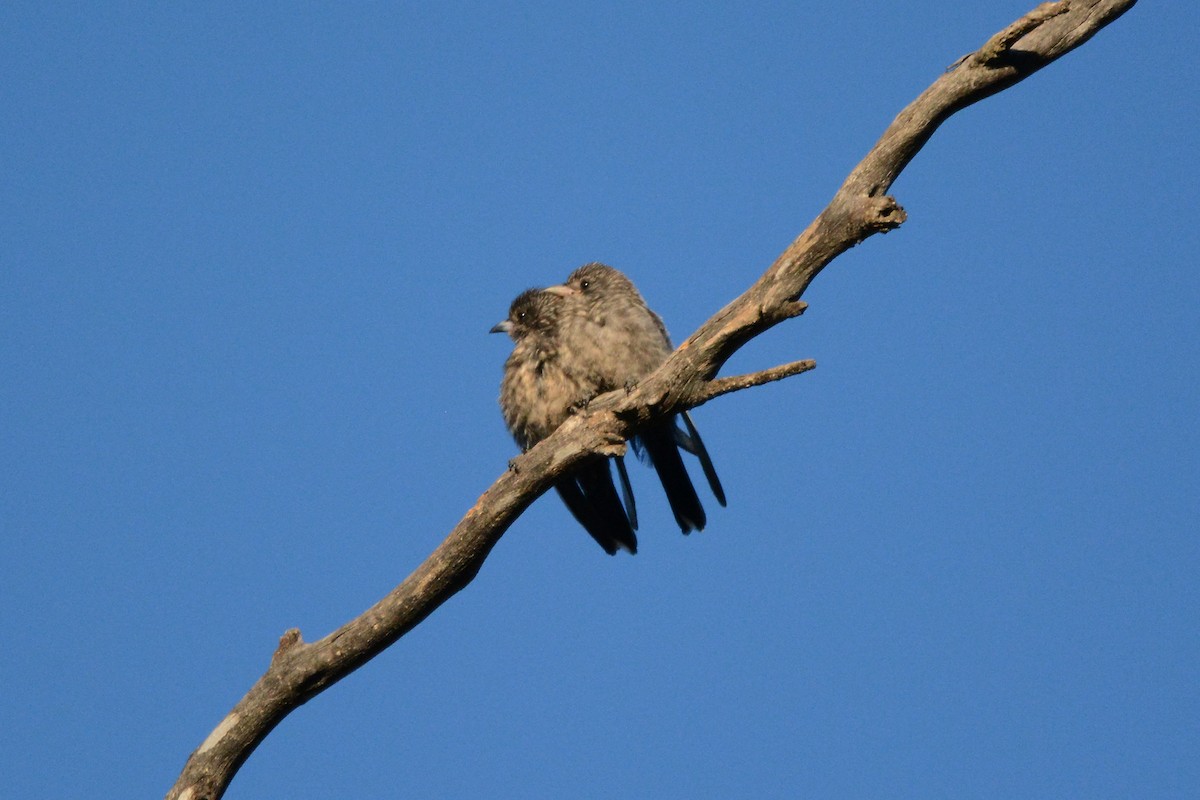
[(595, 479), (626, 492), (695, 446), (592, 499), (662, 447)]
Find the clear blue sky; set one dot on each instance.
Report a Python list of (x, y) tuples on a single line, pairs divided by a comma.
[(250, 257)]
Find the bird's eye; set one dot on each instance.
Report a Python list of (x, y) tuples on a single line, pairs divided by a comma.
[(584, 284), (520, 316)]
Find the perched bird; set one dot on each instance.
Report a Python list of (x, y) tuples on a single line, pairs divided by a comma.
[(608, 338), (537, 394)]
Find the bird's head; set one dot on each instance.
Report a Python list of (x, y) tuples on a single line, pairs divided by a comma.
[(534, 311)]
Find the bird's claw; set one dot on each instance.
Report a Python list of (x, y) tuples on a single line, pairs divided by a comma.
[(582, 403)]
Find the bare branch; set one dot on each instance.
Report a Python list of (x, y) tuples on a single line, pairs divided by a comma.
[(860, 208), (1003, 41), (735, 383)]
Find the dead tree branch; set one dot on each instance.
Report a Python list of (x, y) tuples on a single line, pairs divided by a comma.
[(299, 670)]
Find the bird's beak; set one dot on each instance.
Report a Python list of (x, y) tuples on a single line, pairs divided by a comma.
[(501, 327), (561, 290)]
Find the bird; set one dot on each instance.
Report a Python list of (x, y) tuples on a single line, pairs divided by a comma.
[(537, 394), (608, 338)]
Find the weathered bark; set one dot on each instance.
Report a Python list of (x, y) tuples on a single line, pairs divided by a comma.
[(860, 208)]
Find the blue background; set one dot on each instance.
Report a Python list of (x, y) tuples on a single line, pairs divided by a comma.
[(250, 258)]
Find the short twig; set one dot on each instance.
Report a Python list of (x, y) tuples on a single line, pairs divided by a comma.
[(720, 386)]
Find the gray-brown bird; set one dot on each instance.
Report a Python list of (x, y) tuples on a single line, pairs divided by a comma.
[(608, 338), (537, 394)]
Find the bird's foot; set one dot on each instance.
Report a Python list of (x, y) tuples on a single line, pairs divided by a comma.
[(582, 403)]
